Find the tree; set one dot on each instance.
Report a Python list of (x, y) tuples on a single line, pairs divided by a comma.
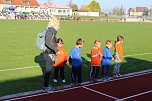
[(118, 11), (94, 6), (74, 7), (86, 8), (122, 11), (151, 12)]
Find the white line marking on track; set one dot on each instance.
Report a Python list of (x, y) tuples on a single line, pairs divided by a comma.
[(136, 95), (99, 93), (130, 76), (79, 86), (5, 70), (43, 93)]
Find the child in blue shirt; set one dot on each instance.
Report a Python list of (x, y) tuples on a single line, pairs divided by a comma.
[(76, 62), (106, 60)]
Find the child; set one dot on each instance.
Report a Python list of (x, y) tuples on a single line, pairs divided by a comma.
[(96, 54), (59, 64), (118, 54), (107, 57), (76, 62)]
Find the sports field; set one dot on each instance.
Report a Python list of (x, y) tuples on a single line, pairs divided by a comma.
[(21, 63)]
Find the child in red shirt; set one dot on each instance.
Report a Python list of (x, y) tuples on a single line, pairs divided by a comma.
[(59, 64), (96, 54)]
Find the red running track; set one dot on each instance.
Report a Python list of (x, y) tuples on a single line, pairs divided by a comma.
[(133, 88)]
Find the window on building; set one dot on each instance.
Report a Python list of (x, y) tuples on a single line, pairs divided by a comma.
[(36, 8), (26, 2), (64, 11), (68, 11), (52, 10), (8, 1), (26, 8), (59, 11)]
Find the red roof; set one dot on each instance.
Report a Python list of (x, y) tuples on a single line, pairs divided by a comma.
[(20, 2), (142, 9), (43, 6), (56, 6)]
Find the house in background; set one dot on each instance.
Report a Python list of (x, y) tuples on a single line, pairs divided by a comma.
[(85, 13), (20, 5), (138, 12), (54, 9), (33, 6)]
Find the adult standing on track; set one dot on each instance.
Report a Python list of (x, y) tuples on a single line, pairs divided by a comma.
[(51, 51)]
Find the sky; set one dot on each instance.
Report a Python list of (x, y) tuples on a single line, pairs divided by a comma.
[(106, 4)]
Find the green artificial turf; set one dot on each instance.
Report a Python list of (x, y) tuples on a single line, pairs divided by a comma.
[(18, 50)]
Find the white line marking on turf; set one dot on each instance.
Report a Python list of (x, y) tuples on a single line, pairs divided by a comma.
[(136, 95), (99, 93), (9, 31), (138, 54), (43, 94), (89, 60), (120, 78), (18, 68)]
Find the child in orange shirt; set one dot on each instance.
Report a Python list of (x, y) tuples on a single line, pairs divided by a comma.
[(96, 54), (62, 59), (118, 54)]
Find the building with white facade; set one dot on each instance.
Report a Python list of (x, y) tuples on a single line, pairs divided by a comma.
[(85, 13), (138, 11), (20, 5), (54, 9), (33, 6)]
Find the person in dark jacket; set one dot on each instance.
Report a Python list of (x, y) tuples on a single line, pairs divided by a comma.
[(51, 51)]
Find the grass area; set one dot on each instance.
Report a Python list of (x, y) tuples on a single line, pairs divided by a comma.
[(18, 49)]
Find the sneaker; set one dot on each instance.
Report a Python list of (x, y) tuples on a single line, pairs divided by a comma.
[(73, 84), (63, 81), (95, 80), (118, 75), (115, 75), (103, 79), (48, 89), (54, 80), (78, 84), (107, 78), (91, 78)]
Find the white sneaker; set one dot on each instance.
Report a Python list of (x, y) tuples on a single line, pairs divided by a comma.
[(48, 89), (54, 80), (118, 75), (63, 81), (115, 75)]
